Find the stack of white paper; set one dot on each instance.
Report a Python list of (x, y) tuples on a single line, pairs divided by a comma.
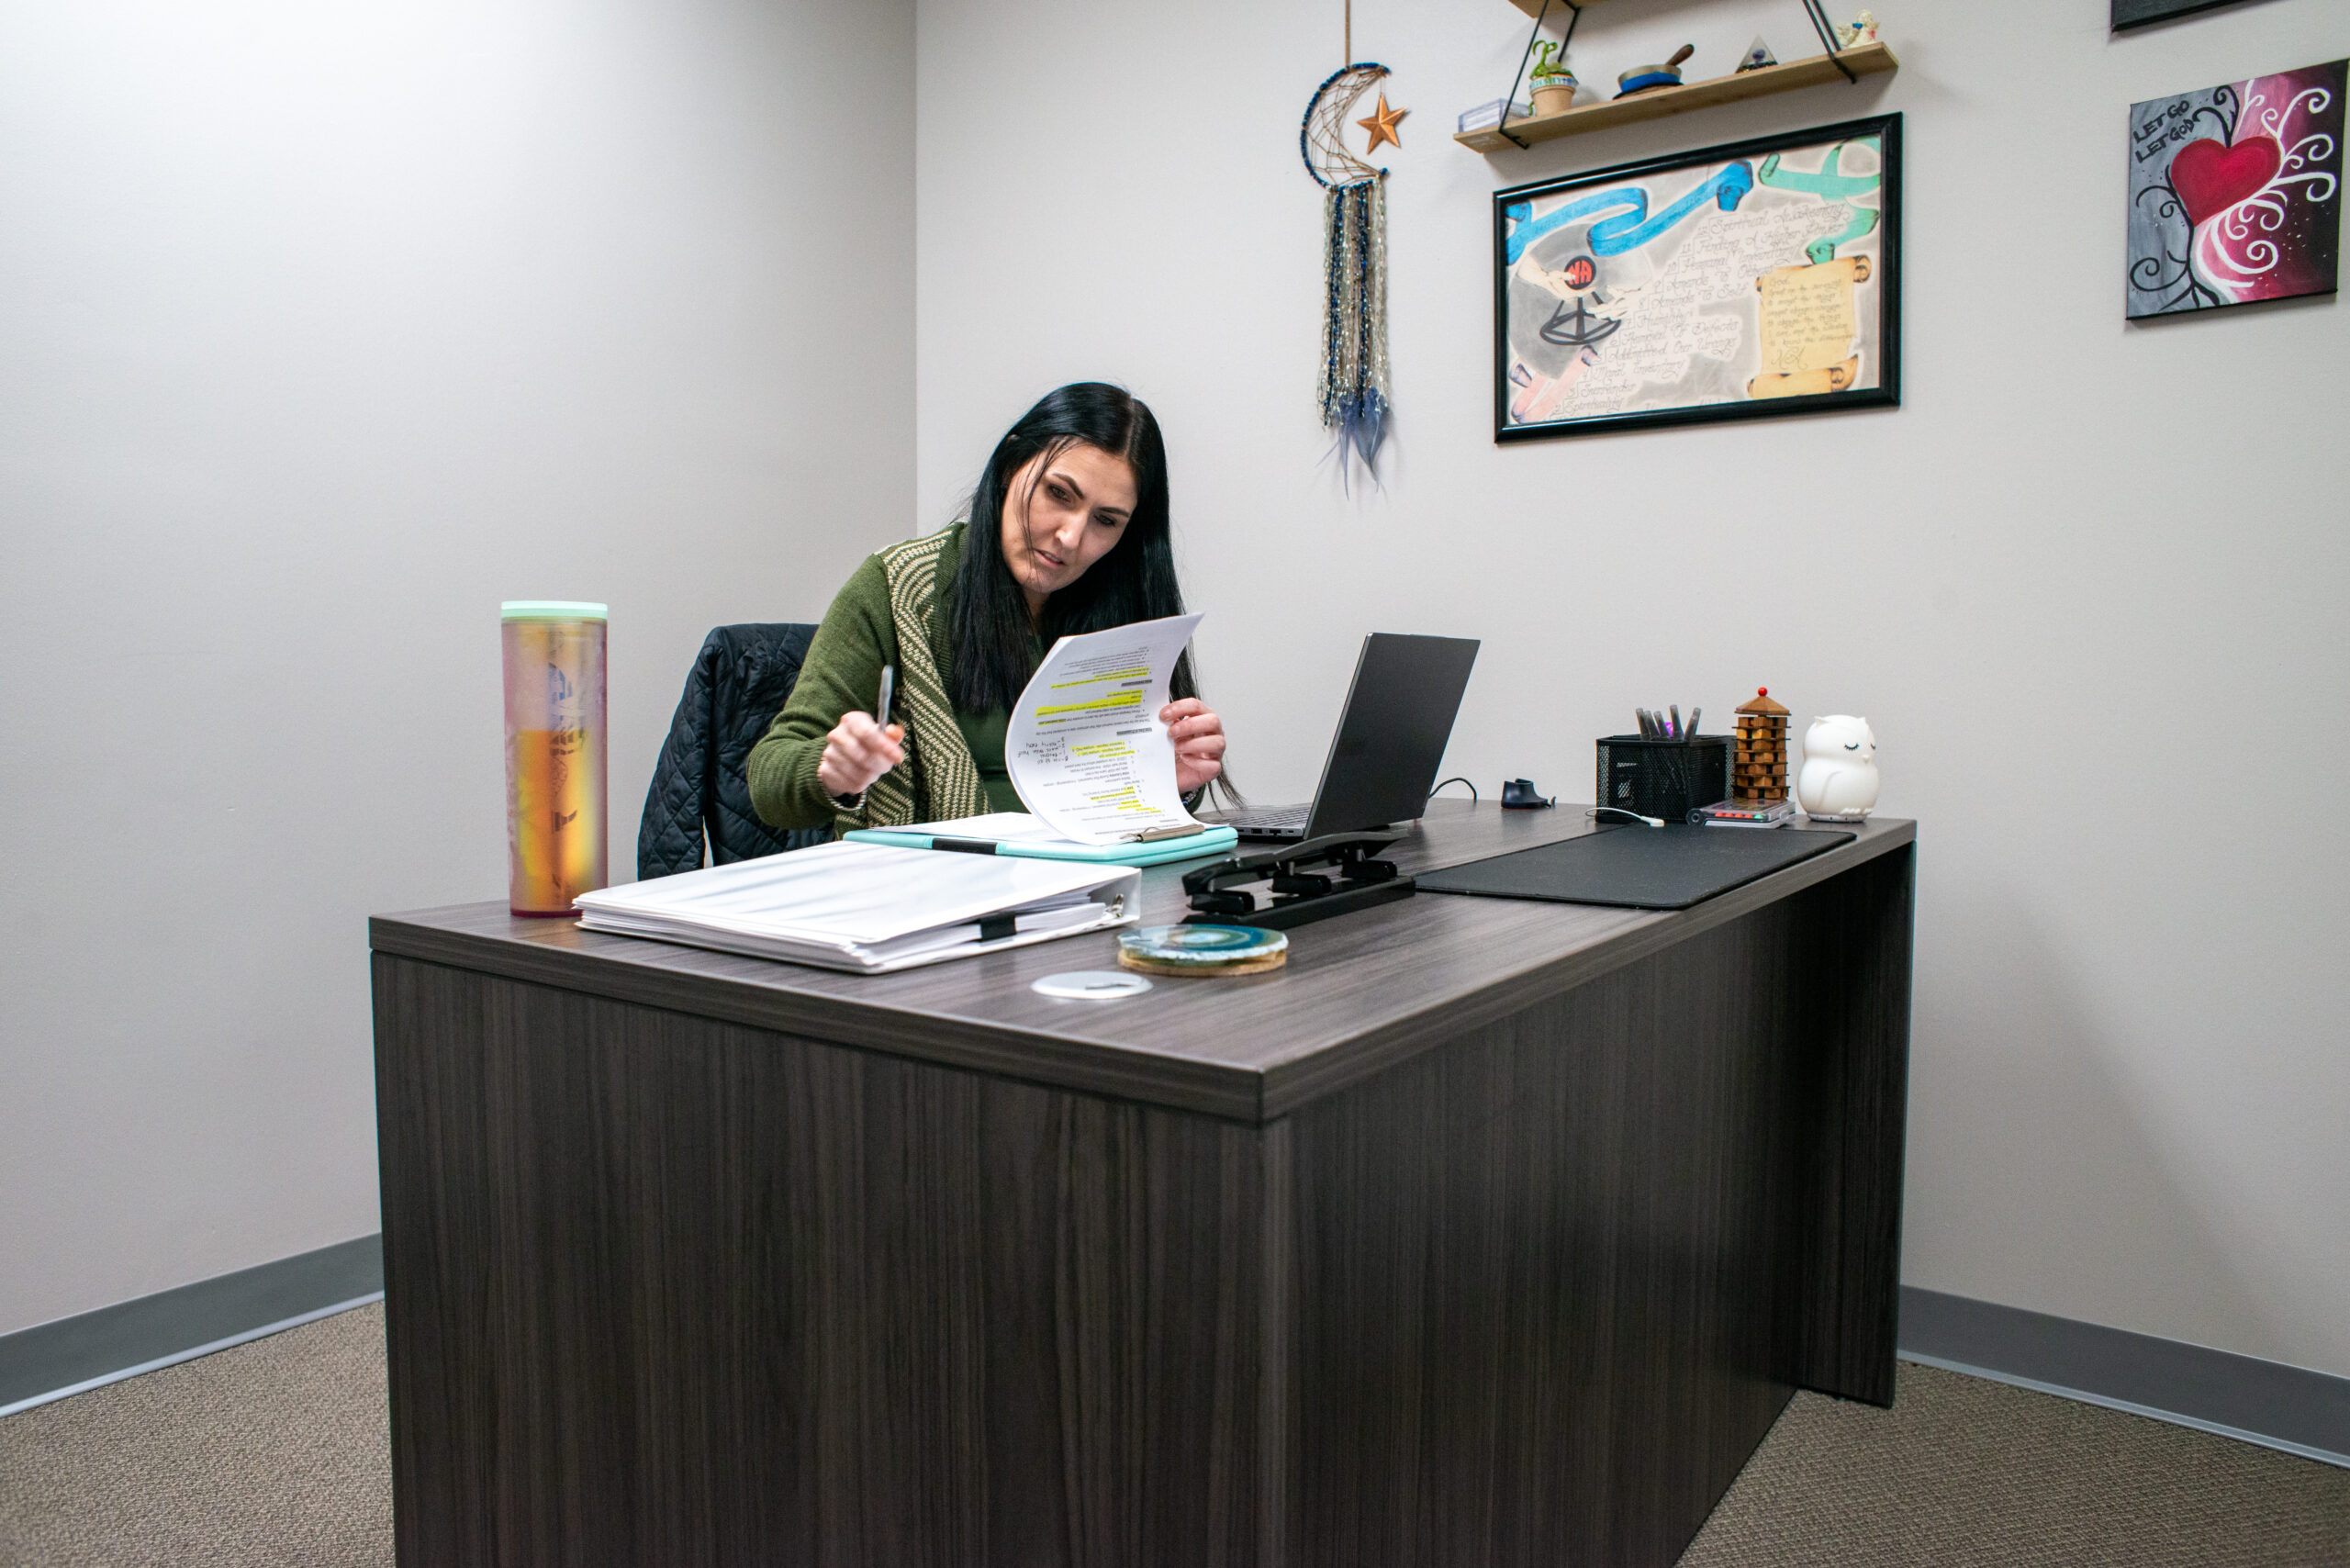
[(870, 907)]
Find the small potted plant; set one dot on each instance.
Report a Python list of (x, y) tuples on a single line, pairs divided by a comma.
[(1554, 85)]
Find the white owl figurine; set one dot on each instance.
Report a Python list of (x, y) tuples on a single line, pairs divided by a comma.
[(1839, 781)]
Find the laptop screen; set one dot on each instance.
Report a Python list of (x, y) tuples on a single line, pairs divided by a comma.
[(1392, 736)]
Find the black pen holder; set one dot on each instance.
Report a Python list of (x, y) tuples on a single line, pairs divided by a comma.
[(1664, 779)]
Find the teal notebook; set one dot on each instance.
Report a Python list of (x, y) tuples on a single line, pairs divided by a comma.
[(1017, 832)]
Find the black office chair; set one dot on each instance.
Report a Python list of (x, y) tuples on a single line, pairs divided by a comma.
[(741, 679)]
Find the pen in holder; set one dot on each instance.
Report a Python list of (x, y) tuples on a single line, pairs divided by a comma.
[(1664, 779)]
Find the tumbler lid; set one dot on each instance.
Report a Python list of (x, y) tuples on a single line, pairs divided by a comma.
[(550, 609)]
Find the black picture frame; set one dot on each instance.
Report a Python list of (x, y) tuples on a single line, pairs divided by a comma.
[(1882, 281), (2128, 14)]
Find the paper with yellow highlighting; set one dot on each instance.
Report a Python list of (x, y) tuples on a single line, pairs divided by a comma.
[(1085, 747)]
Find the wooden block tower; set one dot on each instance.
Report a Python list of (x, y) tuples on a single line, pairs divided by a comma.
[(1758, 767)]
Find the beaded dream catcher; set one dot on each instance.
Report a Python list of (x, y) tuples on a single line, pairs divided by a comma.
[(1354, 392)]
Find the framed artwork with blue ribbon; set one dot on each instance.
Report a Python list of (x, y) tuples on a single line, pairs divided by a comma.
[(1753, 280)]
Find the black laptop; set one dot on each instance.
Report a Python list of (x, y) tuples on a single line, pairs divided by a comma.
[(1391, 741)]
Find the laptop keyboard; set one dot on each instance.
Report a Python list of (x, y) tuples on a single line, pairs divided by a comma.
[(1272, 819)]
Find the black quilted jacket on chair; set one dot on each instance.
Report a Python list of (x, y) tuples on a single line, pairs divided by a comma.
[(741, 679)]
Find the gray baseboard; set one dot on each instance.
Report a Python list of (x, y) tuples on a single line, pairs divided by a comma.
[(51, 1360), (2279, 1406)]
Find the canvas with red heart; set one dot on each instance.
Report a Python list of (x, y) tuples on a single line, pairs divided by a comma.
[(2235, 192)]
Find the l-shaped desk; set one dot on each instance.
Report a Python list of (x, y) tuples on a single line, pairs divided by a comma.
[(1484, 1233)]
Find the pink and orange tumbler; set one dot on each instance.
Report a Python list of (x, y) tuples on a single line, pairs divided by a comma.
[(555, 831)]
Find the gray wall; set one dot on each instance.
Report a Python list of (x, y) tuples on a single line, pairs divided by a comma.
[(2085, 583), (322, 329)]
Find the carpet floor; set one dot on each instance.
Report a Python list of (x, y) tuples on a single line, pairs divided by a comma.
[(275, 1453)]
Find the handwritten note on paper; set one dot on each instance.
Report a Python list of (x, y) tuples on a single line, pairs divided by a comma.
[(1676, 318), (1808, 321)]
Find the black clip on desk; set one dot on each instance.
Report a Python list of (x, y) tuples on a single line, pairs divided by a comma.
[(1313, 881)]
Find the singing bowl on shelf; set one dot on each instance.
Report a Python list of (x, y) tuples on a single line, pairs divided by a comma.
[(1648, 78)]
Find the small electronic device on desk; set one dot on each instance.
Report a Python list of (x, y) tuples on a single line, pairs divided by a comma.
[(1305, 883), (1744, 813)]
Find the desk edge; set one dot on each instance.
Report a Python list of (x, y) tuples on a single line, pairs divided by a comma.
[(1309, 1072)]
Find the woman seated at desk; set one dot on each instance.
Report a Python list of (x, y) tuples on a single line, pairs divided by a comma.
[(1067, 533)]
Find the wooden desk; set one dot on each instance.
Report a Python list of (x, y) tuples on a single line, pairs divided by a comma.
[(1485, 1233)]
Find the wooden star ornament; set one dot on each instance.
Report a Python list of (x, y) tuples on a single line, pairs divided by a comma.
[(1383, 125)]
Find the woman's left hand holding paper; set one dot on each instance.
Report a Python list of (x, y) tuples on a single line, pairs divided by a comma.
[(1198, 736)]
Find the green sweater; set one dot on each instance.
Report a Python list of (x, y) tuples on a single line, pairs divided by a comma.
[(843, 671)]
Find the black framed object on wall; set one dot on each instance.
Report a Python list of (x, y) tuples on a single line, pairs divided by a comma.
[(2138, 13), (1750, 280)]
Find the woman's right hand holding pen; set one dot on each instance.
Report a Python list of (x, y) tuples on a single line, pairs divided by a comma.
[(857, 752)]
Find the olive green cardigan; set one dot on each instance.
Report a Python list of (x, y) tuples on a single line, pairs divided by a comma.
[(894, 611)]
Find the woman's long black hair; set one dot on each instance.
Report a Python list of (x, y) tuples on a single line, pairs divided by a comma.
[(1134, 581)]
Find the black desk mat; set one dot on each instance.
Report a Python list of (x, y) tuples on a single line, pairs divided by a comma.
[(1636, 868)]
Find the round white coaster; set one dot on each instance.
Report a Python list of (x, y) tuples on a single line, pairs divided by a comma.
[(1092, 985)]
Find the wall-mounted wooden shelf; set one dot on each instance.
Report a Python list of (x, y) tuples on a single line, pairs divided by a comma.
[(1816, 70)]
